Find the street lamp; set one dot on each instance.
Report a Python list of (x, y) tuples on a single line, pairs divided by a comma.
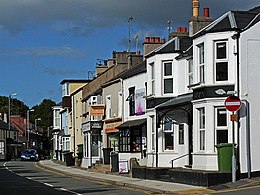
[(38, 119), (28, 126), (9, 112)]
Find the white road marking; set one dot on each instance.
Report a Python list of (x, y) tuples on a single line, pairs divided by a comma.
[(47, 184), (63, 189)]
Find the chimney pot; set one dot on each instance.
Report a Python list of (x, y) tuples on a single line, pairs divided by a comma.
[(147, 39), (179, 29), (206, 12), (157, 39), (153, 39), (184, 29), (195, 8), (163, 40), (138, 53)]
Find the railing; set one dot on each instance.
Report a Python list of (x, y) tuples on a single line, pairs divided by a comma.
[(177, 159)]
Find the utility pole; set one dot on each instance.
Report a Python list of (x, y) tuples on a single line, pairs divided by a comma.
[(129, 40), (169, 28)]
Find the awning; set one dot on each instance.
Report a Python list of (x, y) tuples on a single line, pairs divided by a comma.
[(177, 101), (132, 123)]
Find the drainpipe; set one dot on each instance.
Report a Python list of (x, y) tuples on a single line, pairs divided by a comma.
[(236, 37)]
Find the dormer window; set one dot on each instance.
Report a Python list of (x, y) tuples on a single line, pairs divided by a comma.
[(221, 61)]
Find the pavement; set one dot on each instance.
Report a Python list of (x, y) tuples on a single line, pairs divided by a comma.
[(121, 180), (154, 186)]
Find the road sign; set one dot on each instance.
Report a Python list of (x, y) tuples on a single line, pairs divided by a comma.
[(232, 103)]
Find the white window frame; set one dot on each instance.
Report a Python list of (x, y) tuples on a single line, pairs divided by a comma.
[(168, 131), (66, 143), (218, 127), (66, 89), (201, 128), (201, 62), (120, 104), (221, 60), (2, 147), (56, 118), (152, 78), (167, 77), (153, 133), (190, 68), (108, 107)]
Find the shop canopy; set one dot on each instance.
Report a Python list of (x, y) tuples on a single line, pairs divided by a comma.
[(132, 123)]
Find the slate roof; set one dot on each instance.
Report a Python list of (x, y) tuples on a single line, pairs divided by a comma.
[(233, 20), (177, 44)]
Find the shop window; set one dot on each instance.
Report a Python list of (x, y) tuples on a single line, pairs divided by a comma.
[(130, 140), (94, 145)]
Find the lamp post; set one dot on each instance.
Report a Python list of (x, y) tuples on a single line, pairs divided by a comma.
[(38, 119), (28, 126), (9, 113)]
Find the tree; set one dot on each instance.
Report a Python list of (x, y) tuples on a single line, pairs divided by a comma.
[(43, 111), (17, 106)]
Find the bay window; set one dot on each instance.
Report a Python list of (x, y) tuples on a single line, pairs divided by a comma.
[(202, 121), (167, 78), (221, 61)]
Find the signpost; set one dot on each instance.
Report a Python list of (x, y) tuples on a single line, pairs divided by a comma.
[(233, 104)]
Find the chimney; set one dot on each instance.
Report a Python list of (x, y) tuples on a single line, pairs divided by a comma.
[(198, 22), (151, 43), (206, 12), (195, 8)]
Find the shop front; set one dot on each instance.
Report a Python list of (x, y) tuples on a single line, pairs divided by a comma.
[(92, 151), (132, 139)]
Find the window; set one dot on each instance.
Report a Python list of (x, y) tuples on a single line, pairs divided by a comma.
[(65, 89), (181, 134), (201, 128), (221, 61), (201, 63), (130, 140), (167, 78), (66, 143), (2, 147), (221, 125), (108, 107), (190, 71), (120, 104), (94, 145), (56, 118), (152, 78), (153, 133), (168, 134), (131, 100)]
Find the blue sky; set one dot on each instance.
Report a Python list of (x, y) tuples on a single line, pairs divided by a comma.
[(43, 42)]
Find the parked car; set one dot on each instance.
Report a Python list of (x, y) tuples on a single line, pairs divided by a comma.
[(30, 154)]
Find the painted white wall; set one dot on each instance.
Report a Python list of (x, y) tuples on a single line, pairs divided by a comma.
[(250, 91)]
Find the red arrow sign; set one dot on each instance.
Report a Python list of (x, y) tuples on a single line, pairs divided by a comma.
[(232, 103)]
